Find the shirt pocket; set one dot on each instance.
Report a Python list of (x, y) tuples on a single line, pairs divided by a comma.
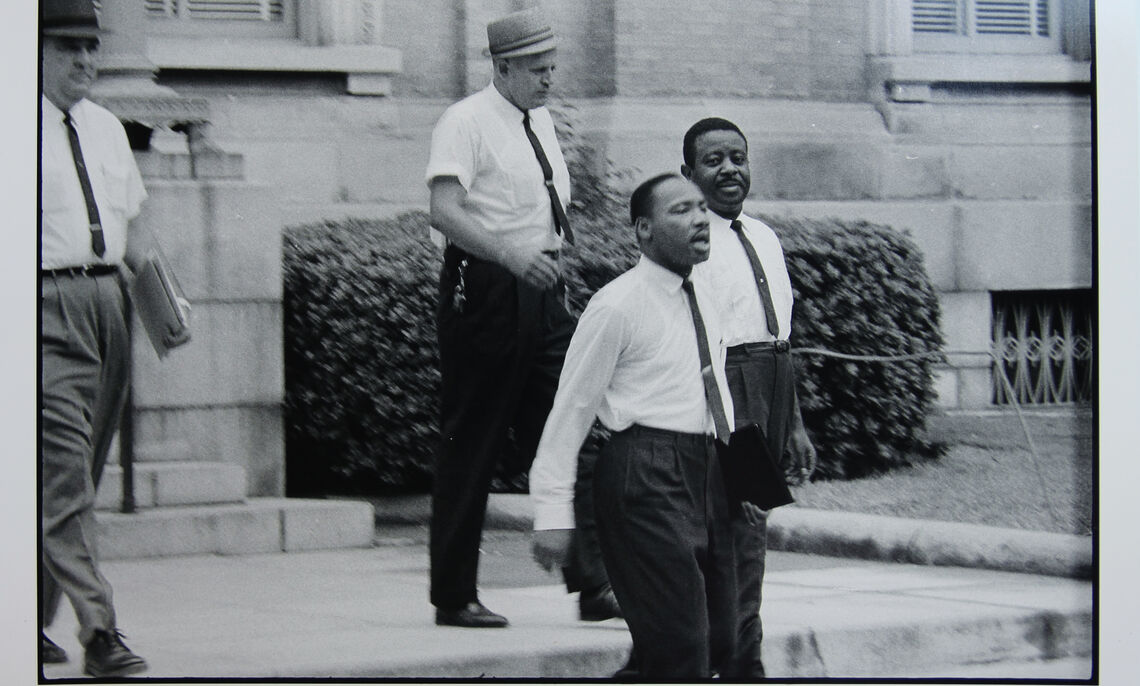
[(114, 180)]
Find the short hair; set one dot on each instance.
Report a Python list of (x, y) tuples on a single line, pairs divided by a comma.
[(689, 146), (641, 200)]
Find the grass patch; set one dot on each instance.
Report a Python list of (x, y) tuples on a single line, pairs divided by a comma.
[(986, 477)]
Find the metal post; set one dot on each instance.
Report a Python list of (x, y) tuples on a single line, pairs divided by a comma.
[(127, 425)]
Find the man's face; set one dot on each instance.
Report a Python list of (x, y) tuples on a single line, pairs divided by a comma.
[(676, 232), (69, 67), (720, 170), (527, 79)]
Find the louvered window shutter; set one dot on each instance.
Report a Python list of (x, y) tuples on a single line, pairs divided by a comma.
[(251, 18), (1018, 26)]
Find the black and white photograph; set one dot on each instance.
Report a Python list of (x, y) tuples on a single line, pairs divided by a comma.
[(638, 340)]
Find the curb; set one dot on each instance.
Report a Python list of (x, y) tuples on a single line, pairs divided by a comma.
[(844, 534), (929, 542)]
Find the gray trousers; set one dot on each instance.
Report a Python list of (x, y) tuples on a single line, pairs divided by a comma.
[(762, 384), (84, 353)]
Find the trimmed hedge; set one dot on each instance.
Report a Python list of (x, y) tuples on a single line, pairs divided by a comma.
[(361, 362), (362, 376), (861, 289)]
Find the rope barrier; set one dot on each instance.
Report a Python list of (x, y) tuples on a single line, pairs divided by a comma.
[(940, 355)]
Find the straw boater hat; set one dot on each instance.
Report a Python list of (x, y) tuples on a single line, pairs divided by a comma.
[(70, 19), (519, 33)]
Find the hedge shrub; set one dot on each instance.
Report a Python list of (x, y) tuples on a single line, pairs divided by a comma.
[(361, 362), (361, 359), (362, 376), (861, 289)]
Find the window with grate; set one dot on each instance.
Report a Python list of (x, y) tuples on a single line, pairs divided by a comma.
[(1043, 344), (227, 17), (991, 26)]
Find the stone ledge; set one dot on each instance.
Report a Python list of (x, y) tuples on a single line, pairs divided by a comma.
[(369, 67), (1036, 69), (259, 525)]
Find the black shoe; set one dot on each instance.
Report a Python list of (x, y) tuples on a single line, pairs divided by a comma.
[(598, 604), (50, 653), (473, 615), (107, 655)]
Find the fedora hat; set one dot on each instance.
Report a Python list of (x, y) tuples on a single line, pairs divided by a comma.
[(70, 18), (520, 33)]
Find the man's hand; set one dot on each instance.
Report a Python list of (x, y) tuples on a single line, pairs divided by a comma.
[(753, 514), (551, 548), (531, 266), (803, 458), (183, 308)]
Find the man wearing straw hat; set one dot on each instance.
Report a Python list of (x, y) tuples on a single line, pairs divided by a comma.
[(499, 187), (90, 190)]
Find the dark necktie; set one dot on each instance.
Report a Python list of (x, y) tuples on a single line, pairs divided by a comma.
[(712, 391), (761, 281), (561, 224), (97, 244)]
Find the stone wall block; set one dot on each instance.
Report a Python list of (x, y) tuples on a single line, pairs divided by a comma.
[(1050, 172), (819, 171), (234, 356), (250, 436), (1025, 246), (221, 239), (916, 172)]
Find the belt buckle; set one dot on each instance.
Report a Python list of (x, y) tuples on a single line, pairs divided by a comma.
[(782, 346)]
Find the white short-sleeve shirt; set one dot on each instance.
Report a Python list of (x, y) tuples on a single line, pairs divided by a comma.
[(480, 140), (115, 182), (729, 273)]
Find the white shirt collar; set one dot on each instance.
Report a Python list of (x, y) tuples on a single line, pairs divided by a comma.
[(667, 279)]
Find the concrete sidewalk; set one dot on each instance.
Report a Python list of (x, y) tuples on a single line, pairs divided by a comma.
[(364, 613)]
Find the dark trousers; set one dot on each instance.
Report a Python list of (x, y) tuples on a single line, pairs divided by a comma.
[(665, 536), (500, 357), (84, 353), (761, 381)]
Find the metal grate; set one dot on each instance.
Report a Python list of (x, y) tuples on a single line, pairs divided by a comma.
[(1044, 342)]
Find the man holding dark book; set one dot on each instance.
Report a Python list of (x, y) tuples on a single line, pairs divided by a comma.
[(753, 296)]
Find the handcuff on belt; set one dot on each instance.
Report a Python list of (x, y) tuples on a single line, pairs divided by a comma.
[(459, 293)]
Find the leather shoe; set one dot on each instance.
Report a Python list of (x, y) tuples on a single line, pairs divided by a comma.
[(50, 653), (107, 655), (598, 604), (472, 615)]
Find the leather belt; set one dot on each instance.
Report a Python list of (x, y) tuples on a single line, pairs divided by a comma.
[(82, 270), (745, 349)]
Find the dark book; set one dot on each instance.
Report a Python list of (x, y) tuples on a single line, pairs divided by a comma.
[(155, 294), (751, 473)]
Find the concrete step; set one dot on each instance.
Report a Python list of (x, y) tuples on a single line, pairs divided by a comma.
[(259, 525), (164, 484)]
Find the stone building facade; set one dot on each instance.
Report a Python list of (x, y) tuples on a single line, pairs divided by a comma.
[(966, 124)]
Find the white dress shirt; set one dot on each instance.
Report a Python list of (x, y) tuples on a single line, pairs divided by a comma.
[(481, 141), (115, 181), (729, 273), (633, 359)]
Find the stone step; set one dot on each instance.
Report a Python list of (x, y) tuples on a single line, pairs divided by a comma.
[(259, 525), (164, 484)]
